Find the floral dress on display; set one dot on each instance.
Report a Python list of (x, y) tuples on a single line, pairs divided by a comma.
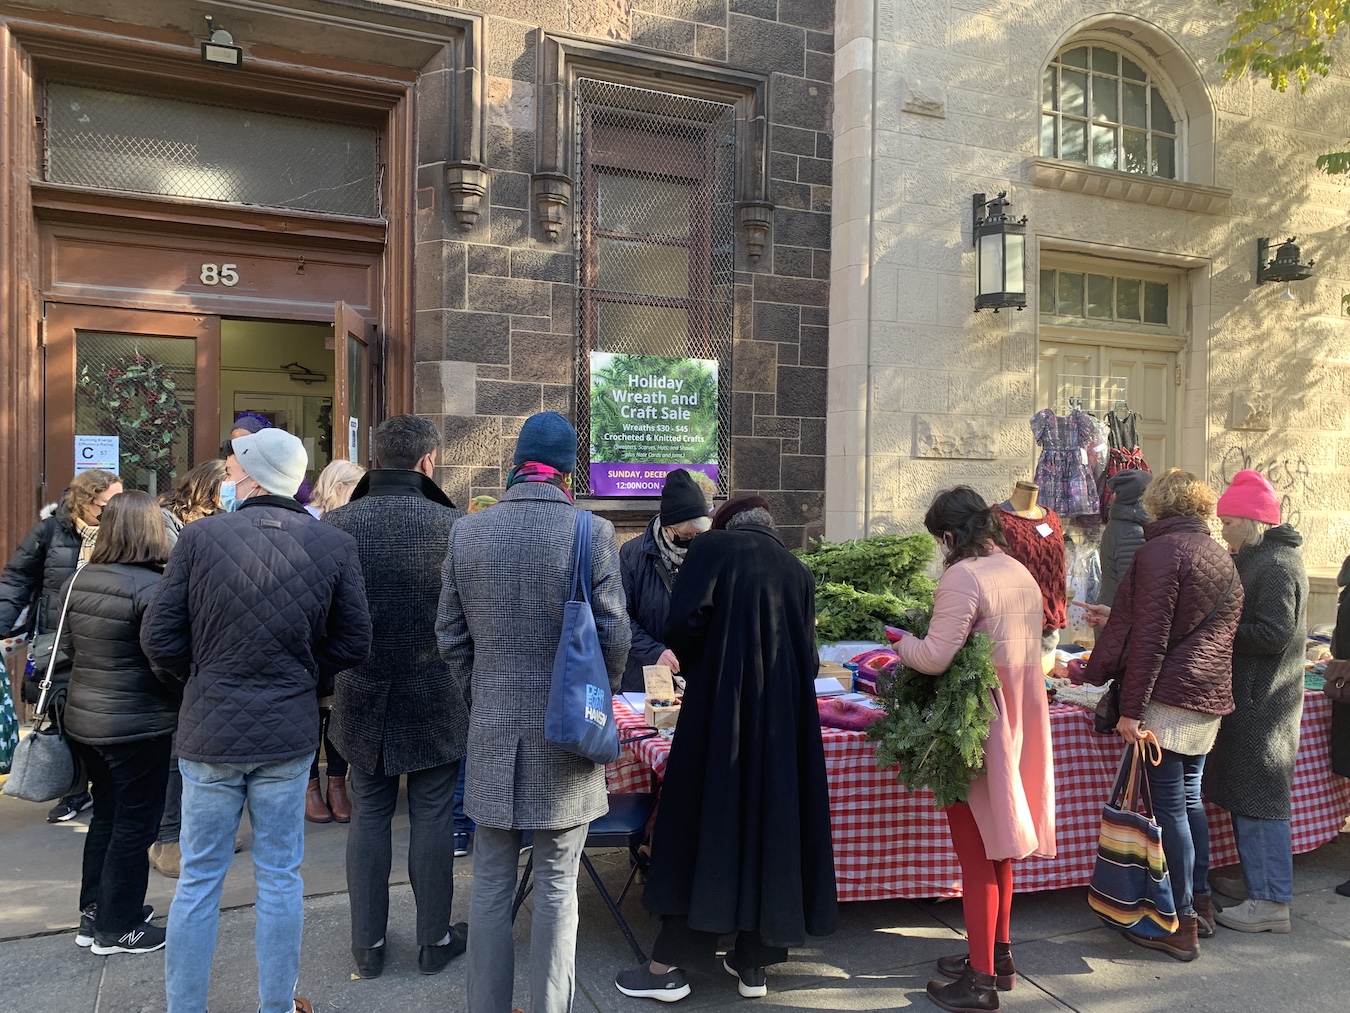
[(1065, 469)]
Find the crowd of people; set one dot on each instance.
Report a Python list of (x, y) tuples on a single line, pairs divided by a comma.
[(218, 640)]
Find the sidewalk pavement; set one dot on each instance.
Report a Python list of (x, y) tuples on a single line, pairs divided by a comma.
[(881, 957)]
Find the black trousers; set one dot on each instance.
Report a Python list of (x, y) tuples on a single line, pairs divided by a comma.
[(682, 946), (431, 851), (337, 765), (128, 786)]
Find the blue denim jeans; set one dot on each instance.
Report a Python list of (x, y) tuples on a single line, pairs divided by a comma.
[(214, 796), (1179, 810), (1266, 848)]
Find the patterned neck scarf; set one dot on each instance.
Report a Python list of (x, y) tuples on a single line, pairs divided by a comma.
[(88, 536), (533, 471), (671, 554)]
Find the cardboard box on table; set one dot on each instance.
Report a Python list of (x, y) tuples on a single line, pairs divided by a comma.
[(660, 687)]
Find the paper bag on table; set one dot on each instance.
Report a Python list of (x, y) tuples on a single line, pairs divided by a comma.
[(663, 709)]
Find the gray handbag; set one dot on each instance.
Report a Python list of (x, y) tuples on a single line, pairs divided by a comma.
[(45, 768)]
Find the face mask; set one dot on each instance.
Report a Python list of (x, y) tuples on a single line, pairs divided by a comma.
[(227, 497), (945, 547), (682, 541)]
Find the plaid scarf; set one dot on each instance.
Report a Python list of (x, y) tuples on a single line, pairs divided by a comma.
[(671, 554), (88, 536), (533, 471)]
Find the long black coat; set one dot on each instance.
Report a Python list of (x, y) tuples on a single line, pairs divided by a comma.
[(742, 838), (115, 694), (1340, 648), (646, 592), (400, 710), (1251, 770), (34, 576)]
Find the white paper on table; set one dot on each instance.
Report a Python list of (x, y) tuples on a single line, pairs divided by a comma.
[(637, 702), (829, 687)]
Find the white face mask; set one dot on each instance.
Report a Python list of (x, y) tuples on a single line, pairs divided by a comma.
[(945, 547)]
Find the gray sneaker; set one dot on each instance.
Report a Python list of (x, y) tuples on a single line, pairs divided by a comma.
[(640, 983)]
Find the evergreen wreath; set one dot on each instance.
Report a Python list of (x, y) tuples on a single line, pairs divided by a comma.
[(137, 398), (934, 727)]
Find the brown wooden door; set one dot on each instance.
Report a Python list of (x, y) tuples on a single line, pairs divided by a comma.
[(134, 388), (352, 399)]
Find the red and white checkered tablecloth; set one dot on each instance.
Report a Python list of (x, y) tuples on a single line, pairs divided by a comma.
[(892, 843)]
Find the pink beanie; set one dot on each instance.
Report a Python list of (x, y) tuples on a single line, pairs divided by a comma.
[(1251, 496)]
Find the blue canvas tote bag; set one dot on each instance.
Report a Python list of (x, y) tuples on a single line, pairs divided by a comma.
[(580, 714)]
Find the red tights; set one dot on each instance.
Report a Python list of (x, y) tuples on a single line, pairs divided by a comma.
[(987, 889)]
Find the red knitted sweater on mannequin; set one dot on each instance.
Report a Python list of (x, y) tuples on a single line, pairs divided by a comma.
[(1043, 555)]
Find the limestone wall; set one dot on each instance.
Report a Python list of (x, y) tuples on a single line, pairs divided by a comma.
[(936, 101)]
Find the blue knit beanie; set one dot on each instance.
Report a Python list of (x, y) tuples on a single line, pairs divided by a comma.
[(547, 438)]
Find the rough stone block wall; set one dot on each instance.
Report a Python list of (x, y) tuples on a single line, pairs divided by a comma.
[(956, 112), (496, 306)]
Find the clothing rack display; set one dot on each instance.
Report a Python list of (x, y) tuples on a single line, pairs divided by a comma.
[(1090, 393)]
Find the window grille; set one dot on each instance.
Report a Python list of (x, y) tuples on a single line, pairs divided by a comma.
[(656, 213), (1100, 107), (146, 144), (142, 390), (1101, 297)]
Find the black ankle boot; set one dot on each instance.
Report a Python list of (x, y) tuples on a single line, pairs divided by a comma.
[(1005, 974), (974, 990)]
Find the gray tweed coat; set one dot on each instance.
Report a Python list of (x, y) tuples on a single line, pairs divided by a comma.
[(1251, 770), (401, 709), (503, 587)]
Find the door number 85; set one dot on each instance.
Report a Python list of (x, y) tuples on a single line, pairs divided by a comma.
[(220, 274)]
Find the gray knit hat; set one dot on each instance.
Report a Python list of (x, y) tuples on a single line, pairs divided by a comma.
[(273, 458)]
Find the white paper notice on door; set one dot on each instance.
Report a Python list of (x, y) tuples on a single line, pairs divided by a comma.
[(353, 430), (97, 452)]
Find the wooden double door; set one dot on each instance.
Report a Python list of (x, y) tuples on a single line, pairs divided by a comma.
[(139, 391)]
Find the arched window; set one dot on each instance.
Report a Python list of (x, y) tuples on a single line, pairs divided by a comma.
[(1102, 108)]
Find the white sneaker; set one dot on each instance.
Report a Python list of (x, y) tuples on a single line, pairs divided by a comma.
[(1256, 916)]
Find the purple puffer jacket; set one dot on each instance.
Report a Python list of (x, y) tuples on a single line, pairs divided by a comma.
[(1154, 641)]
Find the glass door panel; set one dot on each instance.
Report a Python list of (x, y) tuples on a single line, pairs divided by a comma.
[(352, 419)]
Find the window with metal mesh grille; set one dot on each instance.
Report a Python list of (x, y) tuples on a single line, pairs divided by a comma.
[(656, 220)]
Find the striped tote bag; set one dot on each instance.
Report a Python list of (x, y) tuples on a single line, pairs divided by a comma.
[(1130, 886)]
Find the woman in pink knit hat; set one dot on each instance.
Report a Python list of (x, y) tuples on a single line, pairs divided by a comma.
[(1251, 770)]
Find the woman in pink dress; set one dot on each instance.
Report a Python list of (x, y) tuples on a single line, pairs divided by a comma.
[(1010, 812)]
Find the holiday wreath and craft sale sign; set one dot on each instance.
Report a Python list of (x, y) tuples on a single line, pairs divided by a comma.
[(650, 415)]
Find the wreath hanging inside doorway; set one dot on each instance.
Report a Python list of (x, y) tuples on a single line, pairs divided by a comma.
[(137, 398)]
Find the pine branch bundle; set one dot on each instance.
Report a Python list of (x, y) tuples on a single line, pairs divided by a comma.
[(892, 564)]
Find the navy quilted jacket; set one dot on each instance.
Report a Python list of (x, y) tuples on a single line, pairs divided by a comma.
[(257, 608)]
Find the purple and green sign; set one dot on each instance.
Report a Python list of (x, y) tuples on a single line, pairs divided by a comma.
[(649, 416)]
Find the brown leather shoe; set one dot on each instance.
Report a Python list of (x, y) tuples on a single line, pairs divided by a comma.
[(1204, 916), (315, 809), (303, 1005), (974, 990), (1005, 973), (338, 803), (1183, 944)]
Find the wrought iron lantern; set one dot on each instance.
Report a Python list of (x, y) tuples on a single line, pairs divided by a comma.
[(1000, 255), (1285, 267)]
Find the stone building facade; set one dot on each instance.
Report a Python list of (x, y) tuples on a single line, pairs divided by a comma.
[(460, 285), (1153, 186)]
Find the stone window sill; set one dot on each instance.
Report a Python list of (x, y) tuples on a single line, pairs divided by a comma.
[(1072, 177)]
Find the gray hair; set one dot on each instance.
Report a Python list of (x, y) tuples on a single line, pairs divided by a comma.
[(403, 440), (1253, 532), (755, 515)]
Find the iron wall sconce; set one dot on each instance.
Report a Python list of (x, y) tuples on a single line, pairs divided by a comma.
[(1285, 267), (220, 49), (1000, 254)]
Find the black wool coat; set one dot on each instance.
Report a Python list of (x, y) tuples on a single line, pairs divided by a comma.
[(399, 710), (258, 610), (1251, 769), (646, 591), (1340, 648), (115, 694), (742, 837)]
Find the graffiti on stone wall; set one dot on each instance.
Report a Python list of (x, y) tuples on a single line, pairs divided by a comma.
[(1289, 477)]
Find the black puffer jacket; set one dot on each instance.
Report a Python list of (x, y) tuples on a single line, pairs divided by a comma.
[(115, 694), (1340, 648), (41, 564), (256, 609), (646, 591), (1124, 532)]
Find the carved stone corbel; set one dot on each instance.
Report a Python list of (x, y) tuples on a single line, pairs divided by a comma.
[(756, 220), (466, 185), (552, 195)]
